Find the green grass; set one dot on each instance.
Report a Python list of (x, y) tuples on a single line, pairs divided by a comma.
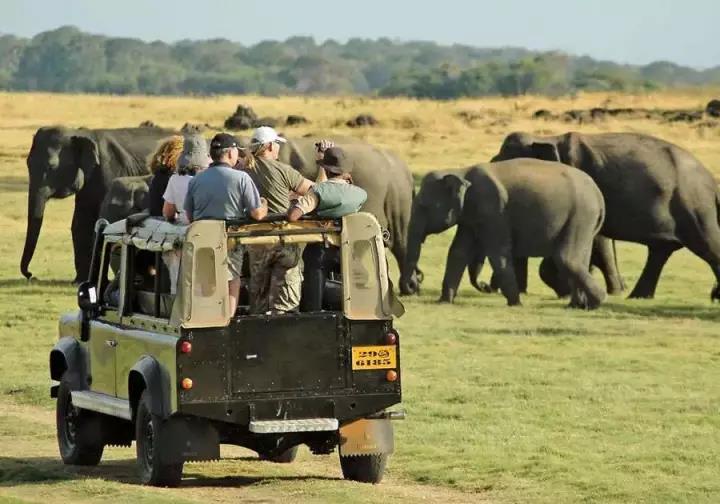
[(538, 403)]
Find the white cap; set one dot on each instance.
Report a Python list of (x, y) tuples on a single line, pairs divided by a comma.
[(264, 135)]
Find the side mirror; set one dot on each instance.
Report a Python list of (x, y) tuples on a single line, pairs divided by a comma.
[(87, 298)]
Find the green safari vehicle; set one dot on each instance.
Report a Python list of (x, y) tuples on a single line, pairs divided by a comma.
[(176, 372)]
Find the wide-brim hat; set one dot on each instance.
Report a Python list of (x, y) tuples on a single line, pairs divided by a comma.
[(195, 153), (335, 161)]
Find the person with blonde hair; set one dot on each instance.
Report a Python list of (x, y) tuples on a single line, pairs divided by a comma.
[(162, 164)]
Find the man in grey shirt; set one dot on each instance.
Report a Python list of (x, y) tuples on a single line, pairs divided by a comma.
[(222, 192)]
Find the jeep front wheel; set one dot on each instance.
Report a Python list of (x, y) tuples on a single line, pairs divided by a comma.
[(79, 432), (364, 468), (149, 459)]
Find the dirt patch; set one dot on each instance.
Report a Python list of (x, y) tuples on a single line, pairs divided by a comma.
[(31, 466)]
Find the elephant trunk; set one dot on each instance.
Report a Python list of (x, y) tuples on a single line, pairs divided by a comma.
[(474, 269), (36, 211), (416, 237)]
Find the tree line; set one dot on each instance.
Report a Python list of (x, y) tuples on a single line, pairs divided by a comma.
[(69, 60)]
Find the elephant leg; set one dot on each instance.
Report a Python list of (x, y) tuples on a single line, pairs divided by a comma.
[(458, 258), (521, 271), (474, 269), (703, 239), (550, 275), (586, 293), (83, 230), (658, 254), (605, 259), (502, 264)]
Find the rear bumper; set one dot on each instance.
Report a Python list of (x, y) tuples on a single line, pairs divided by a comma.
[(241, 412)]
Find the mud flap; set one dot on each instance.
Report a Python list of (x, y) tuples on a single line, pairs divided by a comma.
[(367, 437), (188, 440)]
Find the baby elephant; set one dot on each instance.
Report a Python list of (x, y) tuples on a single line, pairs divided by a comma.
[(524, 208)]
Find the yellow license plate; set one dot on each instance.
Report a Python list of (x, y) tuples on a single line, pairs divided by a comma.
[(374, 357)]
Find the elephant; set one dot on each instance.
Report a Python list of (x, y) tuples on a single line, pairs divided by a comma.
[(521, 208), (656, 194), (126, 196), (83, 162), (426, 220)]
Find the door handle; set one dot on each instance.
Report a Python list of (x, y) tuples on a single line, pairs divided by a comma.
[(111, 343)]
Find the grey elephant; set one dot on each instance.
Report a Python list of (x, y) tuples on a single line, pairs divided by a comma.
[(656, 194), (126, 196), (521, 208), (426, 220), (82, 162)]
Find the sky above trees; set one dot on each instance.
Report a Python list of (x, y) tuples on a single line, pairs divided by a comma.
[(625, 31)]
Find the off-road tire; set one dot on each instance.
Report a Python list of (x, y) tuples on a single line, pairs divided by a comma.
[(79, 432), (286, 457), (147, 430), (364, 468)]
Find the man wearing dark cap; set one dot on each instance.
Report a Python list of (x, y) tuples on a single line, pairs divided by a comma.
[(331, 199), (336, 196), (222, 192)]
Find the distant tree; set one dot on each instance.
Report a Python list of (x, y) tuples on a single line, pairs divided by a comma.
[(69, 60)]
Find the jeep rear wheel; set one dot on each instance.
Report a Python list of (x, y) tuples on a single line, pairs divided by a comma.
[(79, 432), (364, 468), (149, 459)]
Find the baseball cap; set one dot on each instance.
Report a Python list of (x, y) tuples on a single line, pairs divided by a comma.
[(335, 161), (266, 134), (224, 141)]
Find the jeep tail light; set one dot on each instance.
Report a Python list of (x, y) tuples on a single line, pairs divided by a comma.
[(391, 375), (391, 338), (186, 383), (185, 347)]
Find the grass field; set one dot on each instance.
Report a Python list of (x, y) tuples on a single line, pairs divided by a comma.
[(531, 404)]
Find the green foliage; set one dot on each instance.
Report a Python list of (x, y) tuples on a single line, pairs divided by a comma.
[(68, 60)]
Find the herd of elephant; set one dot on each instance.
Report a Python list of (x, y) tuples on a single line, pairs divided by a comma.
[(563, 198)]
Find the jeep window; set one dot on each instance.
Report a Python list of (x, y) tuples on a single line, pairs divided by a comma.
[(204, 272), (108, 281), (148, 284)]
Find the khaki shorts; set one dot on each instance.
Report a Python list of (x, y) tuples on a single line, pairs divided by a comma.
[(235, 262)]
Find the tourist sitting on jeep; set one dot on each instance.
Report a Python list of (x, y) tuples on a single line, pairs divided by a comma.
[(222, 192)]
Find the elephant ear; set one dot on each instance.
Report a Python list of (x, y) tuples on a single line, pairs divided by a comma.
[(546, 151), (86, 155), (456, 187)]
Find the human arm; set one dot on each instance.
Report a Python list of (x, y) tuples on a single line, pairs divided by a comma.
[(305, 205), (169, 210), (189, 201), (260, 212), (250, 197)]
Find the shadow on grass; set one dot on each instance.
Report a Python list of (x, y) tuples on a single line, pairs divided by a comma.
[(42, 470), (34, 282), (709, 313)]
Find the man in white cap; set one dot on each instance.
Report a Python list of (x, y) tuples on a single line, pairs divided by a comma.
[(275, 272)]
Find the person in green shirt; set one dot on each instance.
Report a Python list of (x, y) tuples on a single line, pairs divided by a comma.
[(275, 270)]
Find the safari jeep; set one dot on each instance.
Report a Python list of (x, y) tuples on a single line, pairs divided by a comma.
[(179, 374)]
